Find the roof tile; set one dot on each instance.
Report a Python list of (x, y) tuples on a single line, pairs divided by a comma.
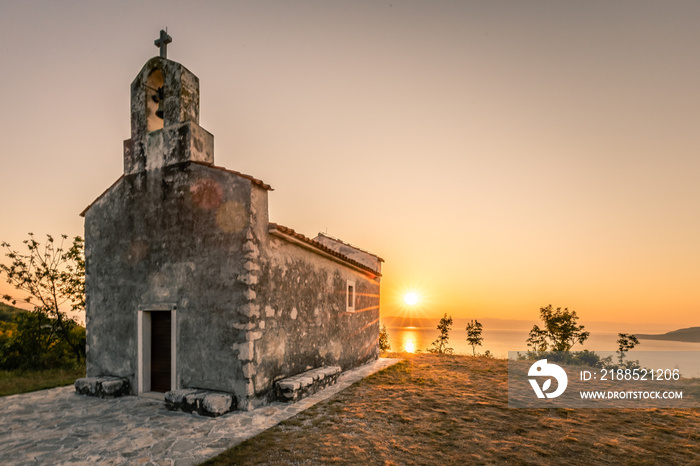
[(290, 232)]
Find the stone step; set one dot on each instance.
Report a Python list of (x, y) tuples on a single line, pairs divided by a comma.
[(306, 383), (104, 387), (204, 402)]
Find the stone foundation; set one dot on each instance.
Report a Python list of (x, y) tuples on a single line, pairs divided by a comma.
[(104, 387), (204, 402), (307, 383)]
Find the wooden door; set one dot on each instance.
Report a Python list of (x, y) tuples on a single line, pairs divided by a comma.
[(160, 351)]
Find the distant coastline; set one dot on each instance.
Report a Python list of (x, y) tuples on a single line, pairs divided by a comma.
[(492, 323), (688, 335)]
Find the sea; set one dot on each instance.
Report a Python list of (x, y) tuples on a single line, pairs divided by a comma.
[(656, 354)]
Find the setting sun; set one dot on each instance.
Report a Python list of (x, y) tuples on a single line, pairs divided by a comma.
[(411, 298)]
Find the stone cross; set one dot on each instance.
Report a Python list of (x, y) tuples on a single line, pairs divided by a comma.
[(163, 42)]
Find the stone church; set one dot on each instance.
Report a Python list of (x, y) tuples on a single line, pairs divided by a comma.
[(189, 284)]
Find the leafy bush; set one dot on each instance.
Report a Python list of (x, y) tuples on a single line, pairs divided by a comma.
[(560, 331), (30, 342)]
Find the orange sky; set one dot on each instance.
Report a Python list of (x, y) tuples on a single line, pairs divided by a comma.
[(500, 156)]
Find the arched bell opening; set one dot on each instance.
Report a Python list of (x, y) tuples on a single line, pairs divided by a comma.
[(155, 102)]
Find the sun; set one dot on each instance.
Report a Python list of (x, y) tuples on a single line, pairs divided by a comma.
[(411, 298)]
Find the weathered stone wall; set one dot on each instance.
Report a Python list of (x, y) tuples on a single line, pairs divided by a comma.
[(173, 236), (302, 318)]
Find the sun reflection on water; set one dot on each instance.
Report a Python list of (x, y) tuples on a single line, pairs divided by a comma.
[(409, 341)]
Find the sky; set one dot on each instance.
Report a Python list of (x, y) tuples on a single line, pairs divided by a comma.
[(499, 156)]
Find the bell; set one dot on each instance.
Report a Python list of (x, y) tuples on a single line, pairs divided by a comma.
[(158, 97), (161, 109)]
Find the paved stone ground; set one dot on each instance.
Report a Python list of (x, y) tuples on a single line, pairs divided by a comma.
[(58, 426)]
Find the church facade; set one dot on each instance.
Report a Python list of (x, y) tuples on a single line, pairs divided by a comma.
[(188, 283)]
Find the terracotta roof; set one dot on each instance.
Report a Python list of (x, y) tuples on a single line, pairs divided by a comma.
[(316, 245), (350, 245), (255, 181)]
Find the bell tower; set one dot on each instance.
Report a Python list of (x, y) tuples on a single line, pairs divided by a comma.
[(165, 117)]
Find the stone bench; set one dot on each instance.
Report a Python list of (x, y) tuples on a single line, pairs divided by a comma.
[(204, 402), (104, 387), (306, 383)]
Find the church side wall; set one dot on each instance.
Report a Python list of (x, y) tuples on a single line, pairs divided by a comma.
[(170, 238), (302, 302)]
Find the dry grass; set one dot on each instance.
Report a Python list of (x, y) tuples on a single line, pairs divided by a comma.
[(432, 409), (14, 382)]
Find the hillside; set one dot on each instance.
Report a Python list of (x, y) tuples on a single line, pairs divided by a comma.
[(690, 335), (7, 312)]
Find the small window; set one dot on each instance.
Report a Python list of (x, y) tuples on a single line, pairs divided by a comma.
[(350, 296)]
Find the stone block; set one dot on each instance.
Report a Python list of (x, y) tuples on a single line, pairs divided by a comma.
[(112, 387), (249, 246), (239, 326), (249, 310), (307, 383), (248, 370), (289, 385), (177, 397), (86, 386), (103, 387), (251, 266), (203, 402), (249, 388), (216, 404), (246, 351), (191, 402), (253, 335)]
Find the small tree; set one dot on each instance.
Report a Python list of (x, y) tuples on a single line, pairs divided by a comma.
[(560, 331), (625, 343), (440, 345), (53, 276), (474, 337), (384, 339)]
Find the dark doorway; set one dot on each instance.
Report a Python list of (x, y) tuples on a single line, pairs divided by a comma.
[(160, 351)]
